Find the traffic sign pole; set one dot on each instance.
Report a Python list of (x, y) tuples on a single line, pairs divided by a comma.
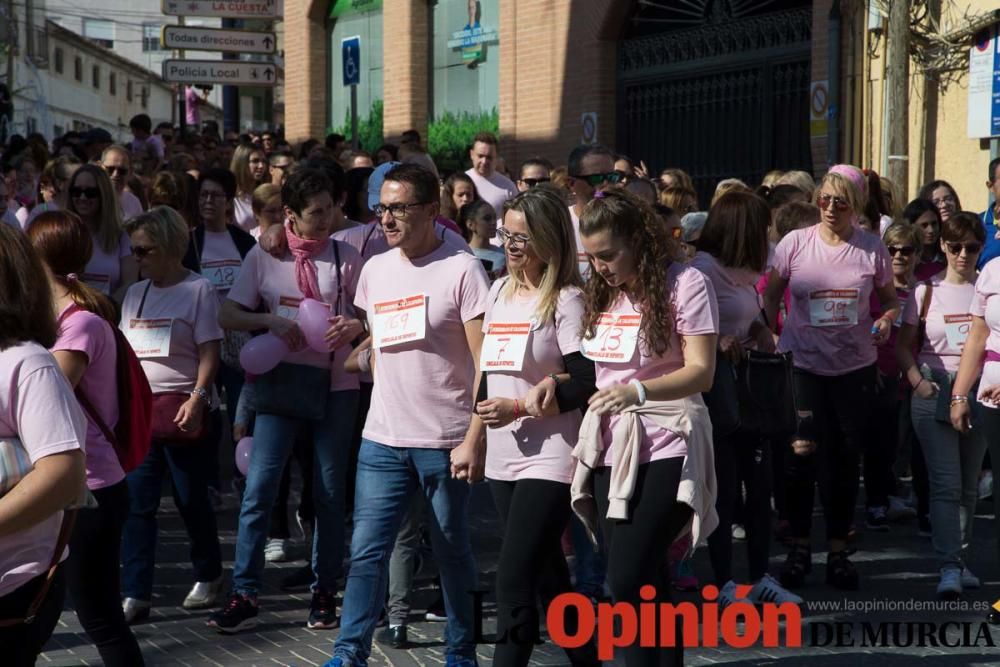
[(355, 140), (181, 93)]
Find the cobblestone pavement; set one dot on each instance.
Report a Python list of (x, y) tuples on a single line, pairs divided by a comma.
[(896, 567)]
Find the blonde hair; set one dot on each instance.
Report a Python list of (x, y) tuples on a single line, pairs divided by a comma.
[(108, 227), (165, 228), (771, 178), (799, 179), (264, 195), (906, 233), (728, 185), (240, 166), (553, 240), (844, 188)]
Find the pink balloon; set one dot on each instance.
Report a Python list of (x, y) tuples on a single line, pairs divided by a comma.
[(263, 353), (243, 450), (312, 320)]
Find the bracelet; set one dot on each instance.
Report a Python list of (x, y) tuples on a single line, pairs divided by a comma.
[(640, 390), (517, 410), (959, 399), (918, 383), (555, 378), (202, 394)]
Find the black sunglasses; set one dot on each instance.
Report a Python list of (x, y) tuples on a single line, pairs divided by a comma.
[(904, 250), (970, 248), (596, 179), (532, 182), (84, 193), (140, 251), (116, 170)]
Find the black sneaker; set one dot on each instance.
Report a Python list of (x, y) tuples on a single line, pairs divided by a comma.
[(323, 611), (877, 519), (238, 614), (840, 572)]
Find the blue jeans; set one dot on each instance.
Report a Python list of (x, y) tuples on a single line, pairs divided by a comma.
[(188, 466), (387, 478), (589, 568), (273, 440)]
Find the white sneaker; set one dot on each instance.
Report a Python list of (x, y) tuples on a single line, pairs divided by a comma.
[(276, 550), (898, 509), (986, 485), (969, 580), (727, 595), (950, 585), (769, 590), (203, 594), (135, 610)]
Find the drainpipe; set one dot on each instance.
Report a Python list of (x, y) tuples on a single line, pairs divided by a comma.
[(833, 75)]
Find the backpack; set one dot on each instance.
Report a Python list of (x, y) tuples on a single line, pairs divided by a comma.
[(134, 432)]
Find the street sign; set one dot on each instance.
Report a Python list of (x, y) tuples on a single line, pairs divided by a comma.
[(232, 9), (984, 85), (226, 72), (350, 48), (213, 39)]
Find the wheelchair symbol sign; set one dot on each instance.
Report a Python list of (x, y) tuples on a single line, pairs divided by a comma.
[(351, 57)]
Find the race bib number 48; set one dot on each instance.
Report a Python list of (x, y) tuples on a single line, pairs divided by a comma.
[(400, 321), (614, 340), (504, 346), (833, 308)]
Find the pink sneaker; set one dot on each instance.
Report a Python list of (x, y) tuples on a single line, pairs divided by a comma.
[(681, 573)]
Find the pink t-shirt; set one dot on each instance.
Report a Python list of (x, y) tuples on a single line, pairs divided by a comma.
[(83, 331), (37, 406), (986, 304), (534, 448), (243, 213), (495, 189), (696, 313), (188, 313), (369, 239), (948, 322), (220, 261), (423, 388), (828, 329), (104, 270), (739, 303), (271, 280), (131, 206)]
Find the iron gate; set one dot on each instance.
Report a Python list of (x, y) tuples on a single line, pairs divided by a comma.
[(725, 100)]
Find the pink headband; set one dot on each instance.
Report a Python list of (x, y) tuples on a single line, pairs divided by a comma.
[(852, 174)]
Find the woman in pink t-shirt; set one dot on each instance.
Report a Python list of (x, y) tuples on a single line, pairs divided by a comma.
[(938, 317), (249, 165), (171, 321), (832, 269), (651, 325), (86, 352), (534, 384), (925, 216), (112, 268)]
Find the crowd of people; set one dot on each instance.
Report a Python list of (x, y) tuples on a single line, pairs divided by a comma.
[(635, 372)]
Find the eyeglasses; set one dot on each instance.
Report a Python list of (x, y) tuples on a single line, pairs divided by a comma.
[(970, 248), (515, 240), (396, 211), (904, 250), (211, 195), (85, 193), (596, 179), (282, 167), (947, 199), (140, 251), (532, 182), (839, 203), (116, 170)]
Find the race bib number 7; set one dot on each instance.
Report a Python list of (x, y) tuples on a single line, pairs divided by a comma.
[(614, 340), (504, 346), (833, 308), (400, 321)]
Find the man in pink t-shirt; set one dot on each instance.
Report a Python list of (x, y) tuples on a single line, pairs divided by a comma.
[(491, 185), (118, 163), (426, 324)]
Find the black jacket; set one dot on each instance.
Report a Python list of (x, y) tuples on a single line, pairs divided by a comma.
[(192, 260)]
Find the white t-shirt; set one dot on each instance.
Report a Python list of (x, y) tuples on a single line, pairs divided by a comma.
[(496, 189), (131, 206)]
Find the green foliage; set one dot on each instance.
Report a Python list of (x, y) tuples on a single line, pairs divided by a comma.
[(369, 129), (449, 136)]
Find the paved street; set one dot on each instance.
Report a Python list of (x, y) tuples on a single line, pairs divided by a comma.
[(896, 568)]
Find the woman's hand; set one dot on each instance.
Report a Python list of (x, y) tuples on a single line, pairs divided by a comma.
[(288, 331), (881, 330), (731, 348), (239, 432), (190, 413), (991, 394), (960, 416), (803, 447), (468, 461), (496, 412), (273, 241), (342, 330), (540, 397), (613, 400), (926, 389)]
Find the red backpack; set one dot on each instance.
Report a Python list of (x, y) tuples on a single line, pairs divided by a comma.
[(134, 432)]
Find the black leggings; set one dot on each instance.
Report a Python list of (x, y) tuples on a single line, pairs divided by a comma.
[(21, 644), (833, 412), (534, 513), (742, 458), (881, 441), (93, 576), (637, 546)]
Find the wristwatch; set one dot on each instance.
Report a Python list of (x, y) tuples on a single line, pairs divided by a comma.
[(201, 393)]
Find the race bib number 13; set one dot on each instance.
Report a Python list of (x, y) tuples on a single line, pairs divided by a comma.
[(400, 321), (614, 340)]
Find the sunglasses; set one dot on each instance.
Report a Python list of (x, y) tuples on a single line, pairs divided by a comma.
[(84, 193), (904, 250), (116, 170), (596, 179), (839, 204), (532, 182), (139, 251), (970, 248)]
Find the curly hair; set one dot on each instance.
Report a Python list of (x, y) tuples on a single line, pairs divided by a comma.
[(630, 220)]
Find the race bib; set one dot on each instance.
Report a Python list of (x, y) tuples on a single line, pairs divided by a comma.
[(150, 338), (956, 330), (400, 321), (582, 263), (222, 273), (614, 340), (833, 308), (99, 281), (288, 307), (504, 346)]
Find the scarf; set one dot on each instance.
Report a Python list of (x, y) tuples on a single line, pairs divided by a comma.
[(303, 250)]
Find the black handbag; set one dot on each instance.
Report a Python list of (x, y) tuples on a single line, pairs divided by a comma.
[(295, 391), (766, 397), (722, 400)]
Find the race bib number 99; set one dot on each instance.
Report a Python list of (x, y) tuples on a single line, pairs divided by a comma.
[(400, 321), (614, 340), (833, 308)]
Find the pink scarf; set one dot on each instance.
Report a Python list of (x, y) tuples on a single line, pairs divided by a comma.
[(303, 250)]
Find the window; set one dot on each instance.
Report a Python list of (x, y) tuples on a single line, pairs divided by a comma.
[(128, 91), (95, 75), (57, 56), (151, 37), (113, 83), (78, 68), (100, 31)]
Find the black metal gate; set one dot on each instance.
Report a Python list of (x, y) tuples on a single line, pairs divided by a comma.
[(726, 99)]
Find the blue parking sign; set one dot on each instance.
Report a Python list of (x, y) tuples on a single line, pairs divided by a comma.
[(350, 49)]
